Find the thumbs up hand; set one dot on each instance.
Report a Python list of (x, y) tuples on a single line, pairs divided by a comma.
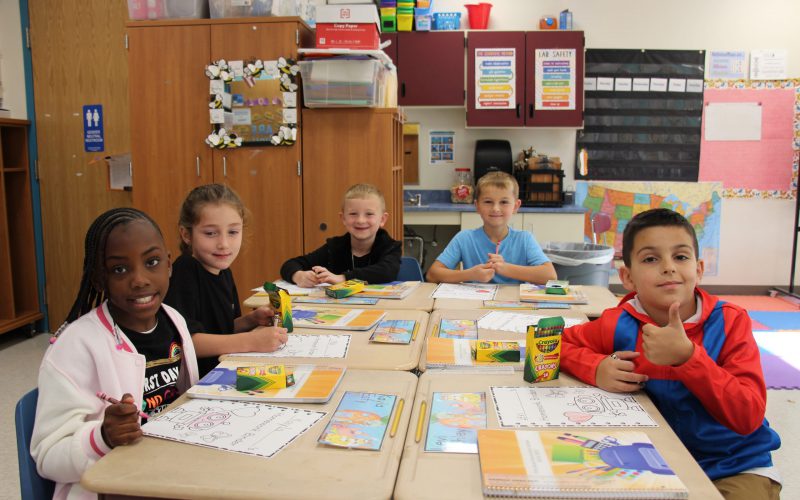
[(667, 345)]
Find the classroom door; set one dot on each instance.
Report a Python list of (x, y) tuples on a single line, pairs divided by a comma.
[(169, 120), (78, 53), (267, 178)]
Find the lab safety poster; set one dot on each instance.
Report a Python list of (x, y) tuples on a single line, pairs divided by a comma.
[(495, 78), (555, 78)]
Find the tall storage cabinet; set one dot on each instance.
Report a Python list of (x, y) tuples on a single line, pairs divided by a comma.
[(19, 299), (169, 123), (342, 147)]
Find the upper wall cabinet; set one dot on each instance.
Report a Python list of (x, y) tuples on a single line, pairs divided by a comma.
[(430, 67), (525, 79)]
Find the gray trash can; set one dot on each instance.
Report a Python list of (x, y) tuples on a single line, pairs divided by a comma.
[(581, 263)]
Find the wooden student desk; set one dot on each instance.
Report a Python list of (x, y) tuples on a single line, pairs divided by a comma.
[(600, 299), (454, 475), (437, 315), (363, 354), (420, 300), (304, 469)]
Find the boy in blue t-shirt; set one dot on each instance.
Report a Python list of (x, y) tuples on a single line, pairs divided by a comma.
[(494, 253)]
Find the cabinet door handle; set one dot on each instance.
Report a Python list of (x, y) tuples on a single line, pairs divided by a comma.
[(402, 89), (530, 110), (224, 166), (197, 165), (518, 109)]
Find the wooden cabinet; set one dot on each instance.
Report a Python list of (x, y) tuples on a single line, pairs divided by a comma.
[(342, 147), (19, 299), (430, 67), (169, 123), (525, 45)]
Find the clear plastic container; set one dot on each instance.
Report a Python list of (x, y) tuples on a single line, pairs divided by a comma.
[(142, 10), (462, 190), (239, 8), (337, 83)]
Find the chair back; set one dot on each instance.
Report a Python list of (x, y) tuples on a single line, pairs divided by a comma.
[(32, 485), (409, 270)]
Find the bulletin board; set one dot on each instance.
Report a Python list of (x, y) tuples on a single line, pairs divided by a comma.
[(643, 112), (761, 169)]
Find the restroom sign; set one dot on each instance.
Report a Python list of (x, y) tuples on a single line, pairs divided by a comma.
[(93, 137)]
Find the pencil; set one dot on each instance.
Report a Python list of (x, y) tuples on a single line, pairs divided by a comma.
[(420, 420), (396, 420), (497, 248), (113, 401), (416, 329)]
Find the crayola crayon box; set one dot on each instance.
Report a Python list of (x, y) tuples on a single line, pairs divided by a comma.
[(262, 378), (543, 350), (496, 351), (345, 289)]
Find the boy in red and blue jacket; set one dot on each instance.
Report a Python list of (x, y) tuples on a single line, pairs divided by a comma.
[(694, 355)]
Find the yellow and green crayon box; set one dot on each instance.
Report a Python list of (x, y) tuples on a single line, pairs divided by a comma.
[(345, 289), (496, 351), (262, 378), (543, 350)]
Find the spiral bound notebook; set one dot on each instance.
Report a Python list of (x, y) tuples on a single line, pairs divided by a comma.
[(557, 464)]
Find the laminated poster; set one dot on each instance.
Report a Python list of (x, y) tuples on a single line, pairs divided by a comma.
[(495, 78), (394, 331), (555, 79), (360, 421)]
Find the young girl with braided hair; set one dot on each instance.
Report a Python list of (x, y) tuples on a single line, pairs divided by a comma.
[(118, 339)]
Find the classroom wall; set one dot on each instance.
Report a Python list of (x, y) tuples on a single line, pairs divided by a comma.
[(11, 68), (760, 228)]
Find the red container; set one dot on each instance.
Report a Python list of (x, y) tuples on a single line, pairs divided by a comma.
[(478, 15)]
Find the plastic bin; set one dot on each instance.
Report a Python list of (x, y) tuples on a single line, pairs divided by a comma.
[(239, 8), (337, 83), (581, 263), (446, 21)]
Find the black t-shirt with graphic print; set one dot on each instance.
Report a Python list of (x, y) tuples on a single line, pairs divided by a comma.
[(163, 352)]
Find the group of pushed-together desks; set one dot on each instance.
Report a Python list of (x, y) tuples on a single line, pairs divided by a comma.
[(402, 468)]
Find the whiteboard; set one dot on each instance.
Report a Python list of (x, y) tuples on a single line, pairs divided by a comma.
[(733, 121)]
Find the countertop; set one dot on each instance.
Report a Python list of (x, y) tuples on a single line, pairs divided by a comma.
[(438, 200)]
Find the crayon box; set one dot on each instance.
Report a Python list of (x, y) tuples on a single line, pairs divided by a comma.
[(543, 350), (263, 378), (345, 289), (496, 351)]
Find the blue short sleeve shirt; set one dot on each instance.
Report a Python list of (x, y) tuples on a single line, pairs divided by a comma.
[(472, 247)]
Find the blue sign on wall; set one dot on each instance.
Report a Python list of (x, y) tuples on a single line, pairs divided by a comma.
[(93, 139)]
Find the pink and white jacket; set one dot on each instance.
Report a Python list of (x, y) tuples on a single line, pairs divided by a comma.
[(88, 357)]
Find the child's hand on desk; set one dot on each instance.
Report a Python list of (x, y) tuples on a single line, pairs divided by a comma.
[(667, 345), (267, 339), (263, 316), (306, 279), (121, 423), (498, 263), (615, 373), (482, 273), (325, 276)]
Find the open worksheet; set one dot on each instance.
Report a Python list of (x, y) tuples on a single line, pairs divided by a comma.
[(307, 346)]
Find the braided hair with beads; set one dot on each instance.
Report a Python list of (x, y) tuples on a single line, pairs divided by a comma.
[(91, 292)]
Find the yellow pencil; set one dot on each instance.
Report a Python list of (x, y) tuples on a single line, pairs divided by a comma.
[(435, 332), (420, 419), (416, 329), (396, 420)]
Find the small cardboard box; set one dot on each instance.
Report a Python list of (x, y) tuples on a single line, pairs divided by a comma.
[(496, 351), (348, 27), (262, 378), (345, 289)]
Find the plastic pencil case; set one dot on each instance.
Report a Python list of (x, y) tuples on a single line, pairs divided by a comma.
[(446, 21)]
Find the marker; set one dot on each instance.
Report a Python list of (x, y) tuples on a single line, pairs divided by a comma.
[(106, 397), (497, 248)]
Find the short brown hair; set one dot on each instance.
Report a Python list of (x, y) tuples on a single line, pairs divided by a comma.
[(362, 191), (209, 194), (497, 179), (655, 217)]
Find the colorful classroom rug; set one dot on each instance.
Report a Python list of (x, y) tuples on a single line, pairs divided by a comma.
[(776, 328)]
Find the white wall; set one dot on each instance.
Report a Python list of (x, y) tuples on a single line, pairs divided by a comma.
[(11, 68), (756, 236)]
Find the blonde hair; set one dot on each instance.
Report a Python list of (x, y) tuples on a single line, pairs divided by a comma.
[(201, 196), (495, 179), (363, 191)]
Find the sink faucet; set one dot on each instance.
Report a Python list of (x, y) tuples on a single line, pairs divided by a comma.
[(415, 199)]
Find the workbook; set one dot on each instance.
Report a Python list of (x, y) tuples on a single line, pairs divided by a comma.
[(393, 290), (557, 464), (352, 301), (454, 422), (337, 319), (528, 292), (360, 421), (239, 426), (457, 354), (312, 384), (394, 331)]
